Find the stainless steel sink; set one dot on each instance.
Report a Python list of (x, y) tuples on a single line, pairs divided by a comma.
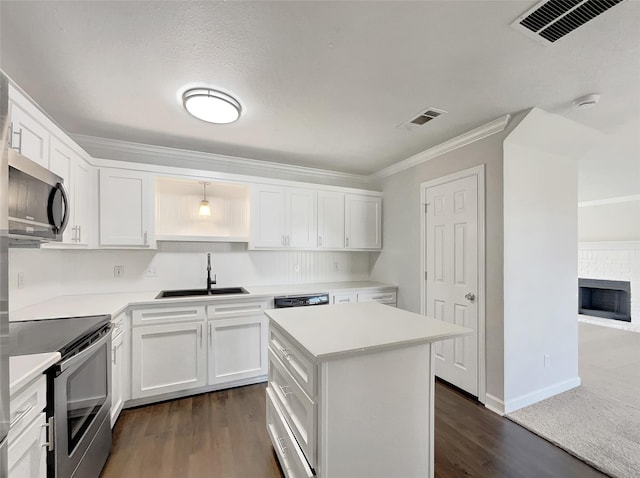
[(165, 294)]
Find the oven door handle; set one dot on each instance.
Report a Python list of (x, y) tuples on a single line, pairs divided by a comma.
[(80, 357)]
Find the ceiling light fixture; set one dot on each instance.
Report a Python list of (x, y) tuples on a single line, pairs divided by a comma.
[(211, 105), (586, 102), (205, 209)]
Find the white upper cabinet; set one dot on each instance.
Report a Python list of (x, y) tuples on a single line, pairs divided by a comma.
[(283, 217), (28, 135), (363, 224), (76, 173), (125, 206), (300, 231), (330, 220)]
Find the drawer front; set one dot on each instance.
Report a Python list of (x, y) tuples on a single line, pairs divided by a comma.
[(118, 324), (27, 456), (160, 315), (344, 298), (228, 309), (27, 404), (289, 453), (298, 410), (389, 298), (302, 369)]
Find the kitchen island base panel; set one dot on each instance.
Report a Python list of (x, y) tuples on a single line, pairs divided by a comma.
[(376, 414)]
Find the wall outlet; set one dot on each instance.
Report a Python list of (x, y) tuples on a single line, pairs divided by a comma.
[(118, 271), (547, 361), (152, 271), (20, 280)]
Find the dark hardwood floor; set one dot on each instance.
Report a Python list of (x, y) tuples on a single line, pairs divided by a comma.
[(222, 434)]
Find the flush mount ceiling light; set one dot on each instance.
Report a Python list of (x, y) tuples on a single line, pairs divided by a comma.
[(586, 102), (205, 209), (211, 105)]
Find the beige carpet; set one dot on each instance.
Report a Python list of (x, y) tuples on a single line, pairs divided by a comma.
[(599, 422)]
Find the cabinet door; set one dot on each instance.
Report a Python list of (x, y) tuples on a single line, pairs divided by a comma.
[(124, 208), (237, 348), (81, 201), (330, 220), (27, 456), (29, 136), (268, 217), (117, 377), (363, 222), (167, 358), (300, 218)]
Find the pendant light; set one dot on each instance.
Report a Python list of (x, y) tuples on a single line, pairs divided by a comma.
[(205, 209)]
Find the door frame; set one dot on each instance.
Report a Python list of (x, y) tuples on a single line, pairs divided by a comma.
[(479, 174)]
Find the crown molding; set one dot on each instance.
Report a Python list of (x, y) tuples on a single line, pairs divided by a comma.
[(146, 153), (464, 139)]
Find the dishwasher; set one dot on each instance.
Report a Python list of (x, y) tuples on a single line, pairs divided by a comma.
[(283, 301)]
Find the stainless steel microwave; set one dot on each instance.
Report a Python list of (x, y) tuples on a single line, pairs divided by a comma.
[(38, 202)]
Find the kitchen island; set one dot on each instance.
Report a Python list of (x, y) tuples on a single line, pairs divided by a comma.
[(351, 390)]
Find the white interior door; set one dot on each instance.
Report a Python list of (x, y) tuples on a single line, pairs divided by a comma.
[(451, 280)]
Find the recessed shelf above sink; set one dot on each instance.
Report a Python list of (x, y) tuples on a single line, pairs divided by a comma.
[(166, 294)]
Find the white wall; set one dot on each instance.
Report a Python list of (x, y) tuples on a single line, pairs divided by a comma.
[(399, 261), (614, 221), (48, 273), (540, 257)]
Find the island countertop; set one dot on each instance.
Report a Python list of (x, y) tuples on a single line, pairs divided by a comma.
[(332, 331)]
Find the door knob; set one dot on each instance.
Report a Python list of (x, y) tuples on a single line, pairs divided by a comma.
[(470, 297)]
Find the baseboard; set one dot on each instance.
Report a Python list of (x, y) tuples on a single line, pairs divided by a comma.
[(539, 395), (494, 404)]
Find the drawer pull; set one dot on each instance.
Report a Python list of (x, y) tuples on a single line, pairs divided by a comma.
[(283, 448), (286, 354), (20, 416), (284, 391)]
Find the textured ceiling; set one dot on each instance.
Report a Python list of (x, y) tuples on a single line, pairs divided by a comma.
[(322, 84)]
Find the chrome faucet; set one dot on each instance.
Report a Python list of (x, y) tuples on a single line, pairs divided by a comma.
[(209, 281)]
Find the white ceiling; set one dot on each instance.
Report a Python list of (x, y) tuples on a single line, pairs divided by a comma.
[(322, 84)]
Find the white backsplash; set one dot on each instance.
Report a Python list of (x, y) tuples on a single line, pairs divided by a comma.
[(49, 273)]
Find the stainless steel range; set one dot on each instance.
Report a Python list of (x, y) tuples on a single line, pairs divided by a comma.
[(78, 389)]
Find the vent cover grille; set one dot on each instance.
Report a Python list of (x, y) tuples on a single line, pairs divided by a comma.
[(422, 118), (551, 20)]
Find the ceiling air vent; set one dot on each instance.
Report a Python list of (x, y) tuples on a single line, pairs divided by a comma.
[(422, 118), (550, 20)]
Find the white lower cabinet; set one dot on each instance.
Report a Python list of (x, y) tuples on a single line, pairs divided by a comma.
[(387, 297), (27, 455), (344, 298), (28, 432), (168, 358)]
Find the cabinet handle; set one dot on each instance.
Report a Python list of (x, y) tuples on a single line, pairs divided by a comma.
[(10, 138), (210, 339), (113, 355), (347, 241), (288, 240), (284, 392), (286, 354), (20, 416), (200, 332), (283, 448), (145, 238), (19, 135), (50, 443), (319, 240), (79, 233)]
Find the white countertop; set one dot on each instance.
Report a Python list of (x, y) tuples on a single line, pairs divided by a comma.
[(115, 303), (24, 368), (348, 329)]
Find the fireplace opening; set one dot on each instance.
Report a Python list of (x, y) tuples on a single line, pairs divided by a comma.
[(605, 298)]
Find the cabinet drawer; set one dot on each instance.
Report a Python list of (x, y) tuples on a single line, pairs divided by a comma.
[(27, 404), (298, 409), (289, 453), (118, 325), (302, 369), (227, 309), (344, 298), (27, 456), (160, 315), (389, 298)]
